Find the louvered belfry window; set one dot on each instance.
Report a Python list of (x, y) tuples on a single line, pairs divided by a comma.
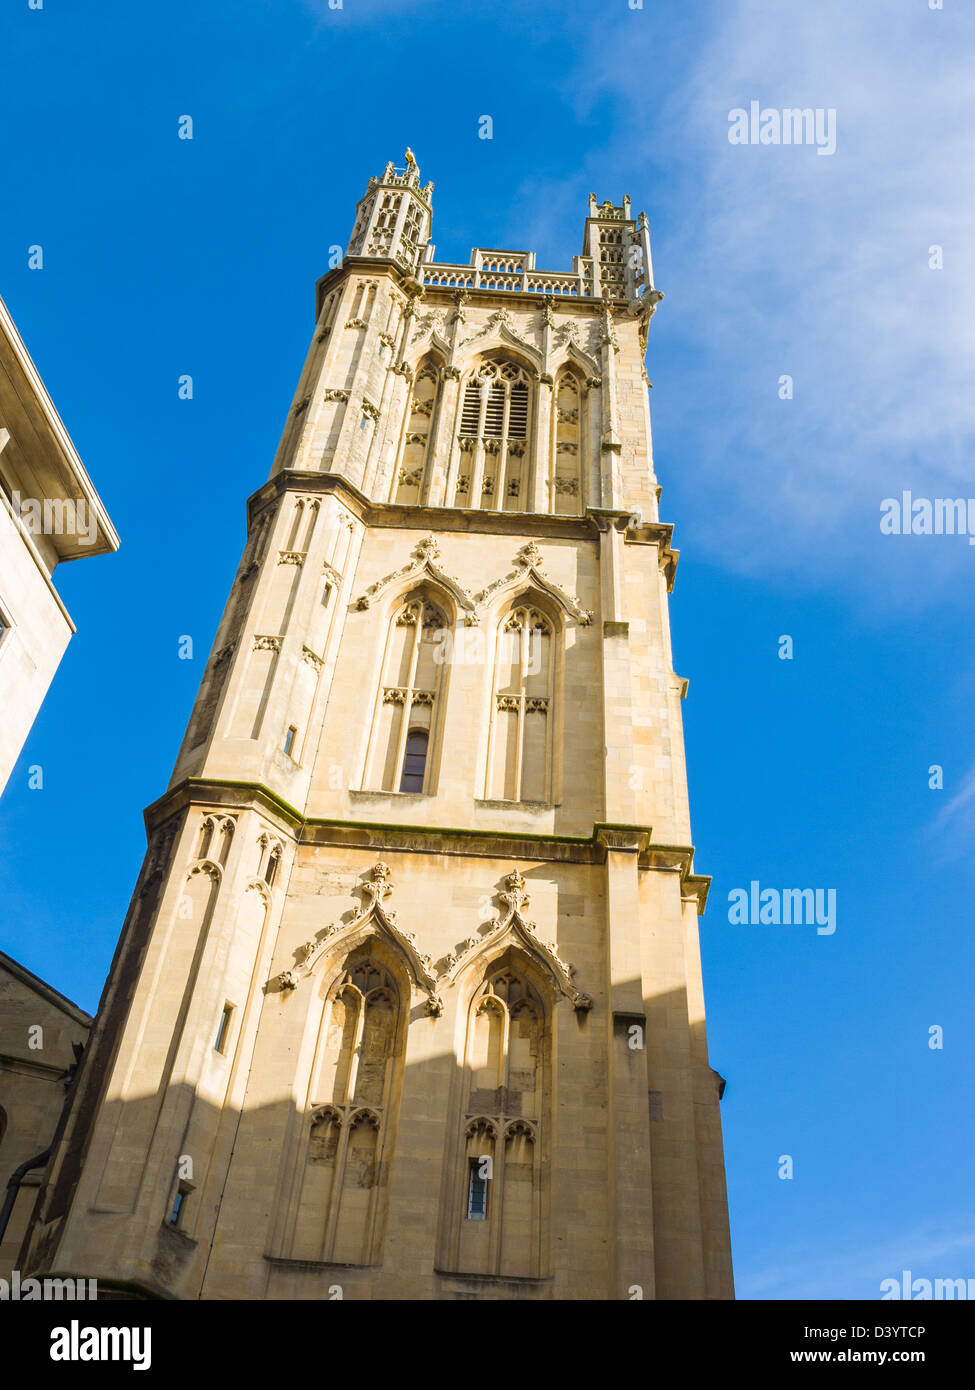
[(493, 472)]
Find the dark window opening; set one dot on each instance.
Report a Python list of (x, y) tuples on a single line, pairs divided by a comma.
[(179, 1202), (271, 872), (414, 761), (477, 1189), (224, 1028)]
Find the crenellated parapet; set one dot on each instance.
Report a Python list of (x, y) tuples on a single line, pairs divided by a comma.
[(493, 386)]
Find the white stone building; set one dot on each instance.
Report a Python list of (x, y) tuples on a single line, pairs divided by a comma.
[(49, 512)]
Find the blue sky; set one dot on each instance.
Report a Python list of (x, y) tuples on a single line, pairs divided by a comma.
[(164, 257)]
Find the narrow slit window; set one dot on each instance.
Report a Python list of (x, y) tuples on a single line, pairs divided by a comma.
[(179, 1202), (289, 740), (326, 595), (414, 761), (273, 862), (403, 747), (477, 1190), (223, 1031)]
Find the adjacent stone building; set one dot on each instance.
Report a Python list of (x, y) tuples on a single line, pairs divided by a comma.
[(408, 1002), (40, 1033), (49, 512)]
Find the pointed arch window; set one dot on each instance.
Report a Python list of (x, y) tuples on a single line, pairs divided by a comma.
[(347, 1139), (407, 714), (566, 481), (421, 419), (206, 838), (216, 835), (520, 740), (269, 856), (498, 1204), (494, 436)]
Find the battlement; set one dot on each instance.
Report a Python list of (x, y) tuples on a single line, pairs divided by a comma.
[(509, 270), (394, 221)]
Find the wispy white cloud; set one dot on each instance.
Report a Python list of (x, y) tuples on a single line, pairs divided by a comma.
[(929, 1252), (954, 826), (787, 262)]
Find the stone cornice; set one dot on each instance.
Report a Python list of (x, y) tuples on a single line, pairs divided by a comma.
[(46, 447), (610, 519), (194, 790), (449, 840), (638, 532), (540, 525), (381, 836), (370, 265), (631, 839), (23, 1066)]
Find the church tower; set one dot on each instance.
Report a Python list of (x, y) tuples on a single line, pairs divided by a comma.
[(408, 1001)]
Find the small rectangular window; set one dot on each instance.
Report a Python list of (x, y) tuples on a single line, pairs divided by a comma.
[(289, 740), (414, 761), (179, 1201), (326, 595), (273, 863), (363, 422), (223, 1031), (477, 1190)]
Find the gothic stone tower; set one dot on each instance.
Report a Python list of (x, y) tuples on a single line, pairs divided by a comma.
[(408, 1002)]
